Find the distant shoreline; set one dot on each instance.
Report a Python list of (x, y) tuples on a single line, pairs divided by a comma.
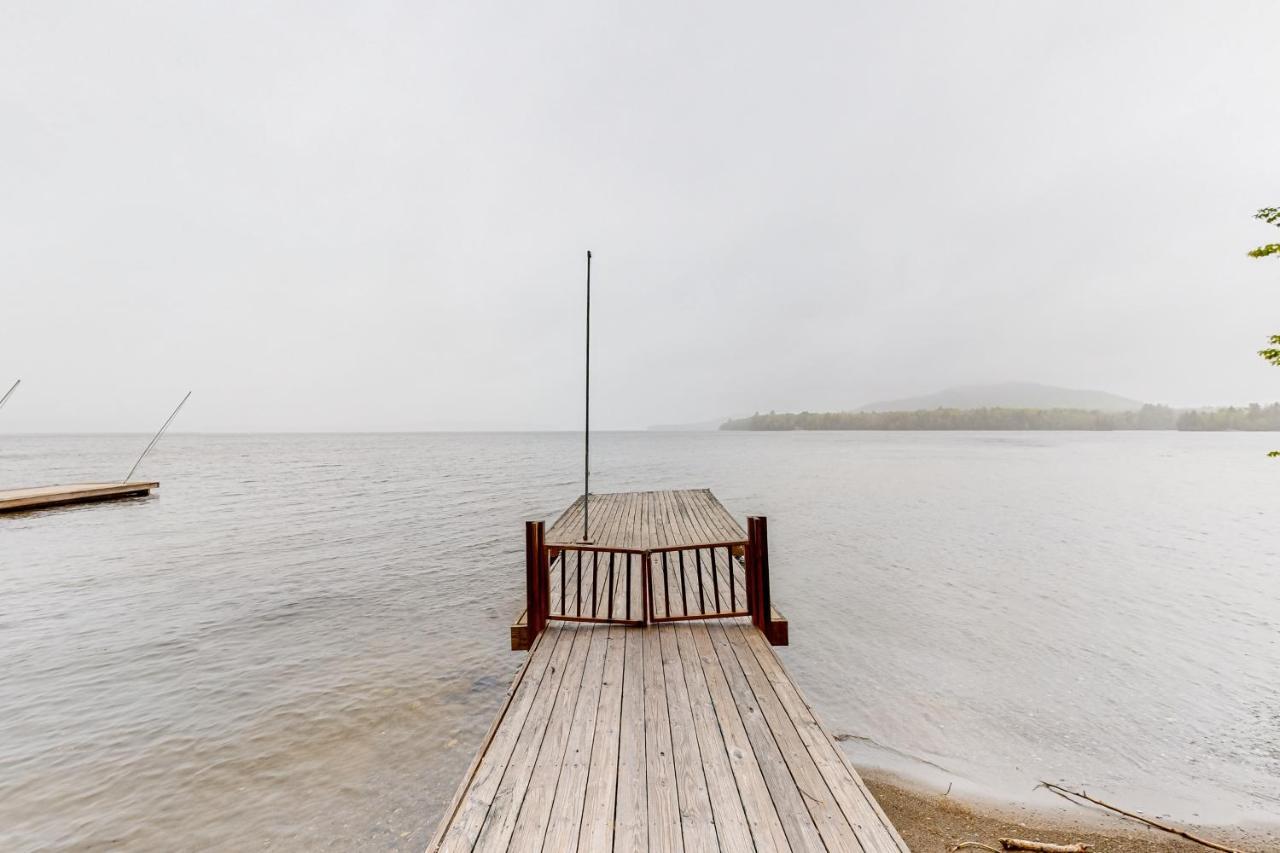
[(1252, 418)]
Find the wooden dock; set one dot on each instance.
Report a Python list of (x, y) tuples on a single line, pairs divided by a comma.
[(652, 712), (41, 497), (671, 530)]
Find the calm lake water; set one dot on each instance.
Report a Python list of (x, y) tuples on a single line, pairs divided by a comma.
[(298, 642)]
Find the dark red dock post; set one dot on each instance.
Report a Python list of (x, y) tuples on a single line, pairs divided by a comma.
[(537, 588), (761, 604)]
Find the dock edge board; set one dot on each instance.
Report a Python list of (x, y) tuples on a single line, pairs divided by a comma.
[(780, 633), (16, 501)]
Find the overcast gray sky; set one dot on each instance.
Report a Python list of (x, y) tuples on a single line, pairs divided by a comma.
[(331, 216)]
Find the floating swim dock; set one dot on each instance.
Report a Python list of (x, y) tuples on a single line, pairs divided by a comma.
[(652, 712), (41, 497)]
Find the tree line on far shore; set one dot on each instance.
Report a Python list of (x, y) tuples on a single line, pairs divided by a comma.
[(1254, 418)]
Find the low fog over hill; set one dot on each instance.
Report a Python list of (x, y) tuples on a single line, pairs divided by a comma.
[(1009, 395), (1004, 395)]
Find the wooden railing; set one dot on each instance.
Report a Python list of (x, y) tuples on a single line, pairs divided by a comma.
[(697, 582), (590, 583)]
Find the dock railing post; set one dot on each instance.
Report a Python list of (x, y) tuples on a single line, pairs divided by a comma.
[(544, 578), (535, 578), (749, 568), (646, 586), (758, 575)]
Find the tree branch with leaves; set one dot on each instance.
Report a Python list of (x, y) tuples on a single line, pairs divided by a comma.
[(1271, 216)]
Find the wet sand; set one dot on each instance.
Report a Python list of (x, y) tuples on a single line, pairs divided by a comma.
[(931, 821)]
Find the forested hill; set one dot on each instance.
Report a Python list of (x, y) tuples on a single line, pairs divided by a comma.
[(1252, 418), (1009, 395)]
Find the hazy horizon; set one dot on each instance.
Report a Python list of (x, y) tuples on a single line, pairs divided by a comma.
[(655, 427), (333, 218)]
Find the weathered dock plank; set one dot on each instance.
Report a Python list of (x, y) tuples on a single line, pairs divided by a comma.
[(675, 728), (697, 821), (757, 754), (596, 829), (733, 832), (792, 776), (630, 818), (664, 818), (41, 497), (648, 520), (570, 789), (723, 709)]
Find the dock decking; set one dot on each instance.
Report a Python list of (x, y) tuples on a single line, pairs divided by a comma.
[(673, 727), (648, 520), (40, 497)]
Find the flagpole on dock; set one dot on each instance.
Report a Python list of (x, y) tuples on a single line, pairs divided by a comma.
[(157, 438), (9, 393), (586, 428)]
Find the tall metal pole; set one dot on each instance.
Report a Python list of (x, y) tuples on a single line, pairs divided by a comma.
[(9, 393), (157, 438), (586, 429)]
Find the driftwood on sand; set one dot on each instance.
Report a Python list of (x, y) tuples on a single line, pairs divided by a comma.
[(1067, 794), (1042, 847), (1029, 846)]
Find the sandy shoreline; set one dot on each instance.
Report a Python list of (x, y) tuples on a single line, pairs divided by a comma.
[(931, 821)]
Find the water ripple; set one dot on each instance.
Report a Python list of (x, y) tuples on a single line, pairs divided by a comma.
[(298, 642)]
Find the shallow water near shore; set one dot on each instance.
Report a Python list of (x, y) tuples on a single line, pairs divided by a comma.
[(298, 641)]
